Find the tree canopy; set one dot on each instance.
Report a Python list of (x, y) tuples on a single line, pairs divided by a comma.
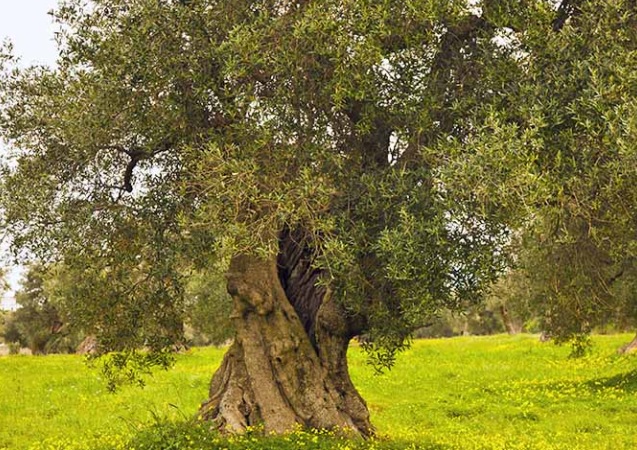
[(173, 132)]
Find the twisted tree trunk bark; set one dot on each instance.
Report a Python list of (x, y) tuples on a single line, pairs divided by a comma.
[(629, 348), (287, 366)]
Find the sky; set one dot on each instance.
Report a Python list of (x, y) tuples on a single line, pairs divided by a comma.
[(28, 26)]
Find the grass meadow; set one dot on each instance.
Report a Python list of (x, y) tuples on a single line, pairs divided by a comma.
[(496, 392)]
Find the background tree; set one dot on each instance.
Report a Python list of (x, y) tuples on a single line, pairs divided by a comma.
[(38, 323), (509, 299), (587, 233), (574, 127), (330, 152)]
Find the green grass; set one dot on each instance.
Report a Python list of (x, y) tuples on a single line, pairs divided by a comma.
[(496, 392)]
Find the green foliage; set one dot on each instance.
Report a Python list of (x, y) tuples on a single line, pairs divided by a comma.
[(127, 304), (120, 368), (589, 229), (540, 292), (208, 308), (478, 393), (581, 345), (514, 292), (11, 332)]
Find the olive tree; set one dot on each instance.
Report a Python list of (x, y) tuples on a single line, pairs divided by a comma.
[(328, 153)]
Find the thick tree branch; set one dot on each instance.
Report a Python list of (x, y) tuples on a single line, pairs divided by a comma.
[(566, 10), (626, 267), (128, 174), (137, 154)]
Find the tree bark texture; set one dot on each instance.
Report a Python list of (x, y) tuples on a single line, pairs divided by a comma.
[(287, 366), (511, 327), (629, 348)]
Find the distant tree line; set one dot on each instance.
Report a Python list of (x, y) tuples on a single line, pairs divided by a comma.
[(44, 322), (519, 301)]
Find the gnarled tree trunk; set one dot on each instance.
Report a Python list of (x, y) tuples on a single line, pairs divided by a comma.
[(287, 366)]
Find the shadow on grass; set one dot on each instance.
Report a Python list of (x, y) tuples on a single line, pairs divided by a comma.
[(625, 381)]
